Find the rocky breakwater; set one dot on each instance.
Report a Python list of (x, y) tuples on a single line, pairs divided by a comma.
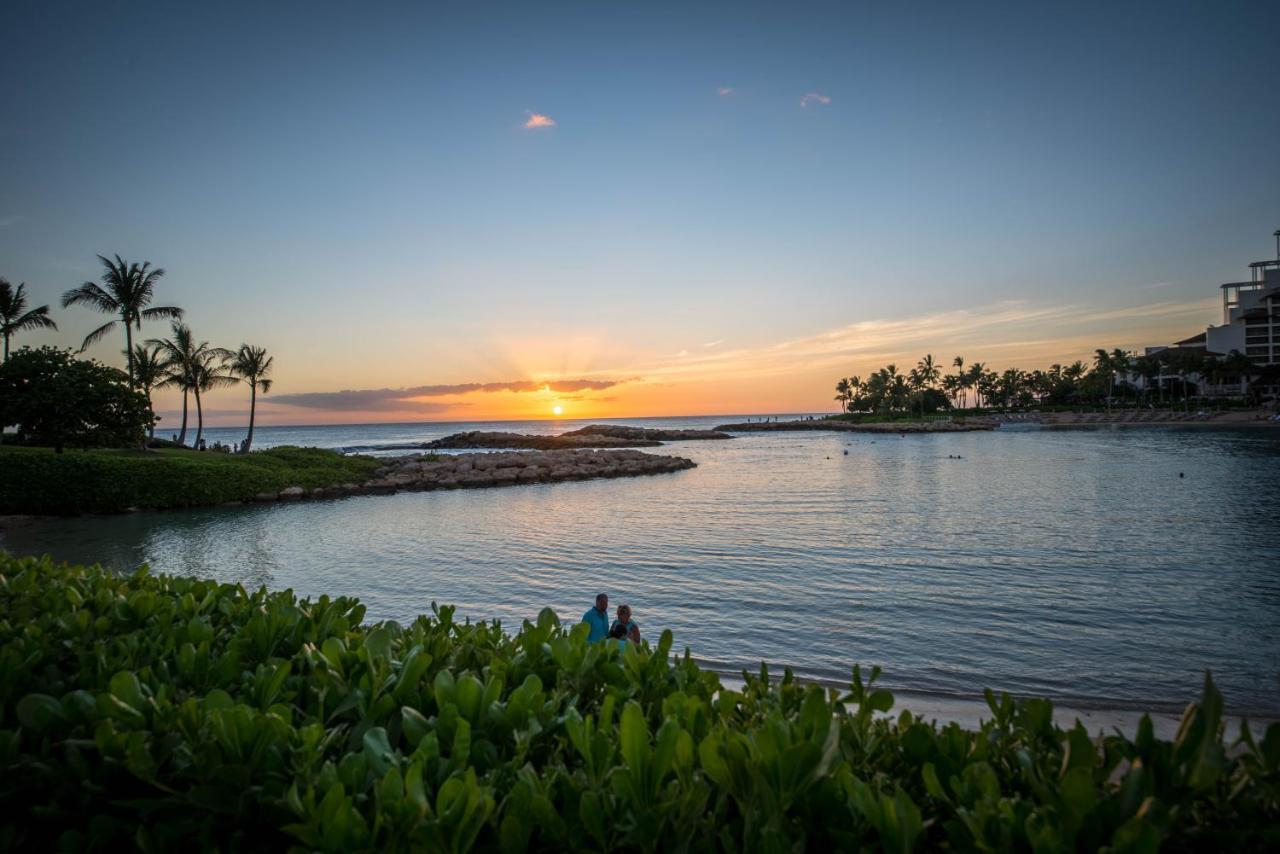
[(499, 439), (646, 434), (593, 436), (940, 426), (463, 471)]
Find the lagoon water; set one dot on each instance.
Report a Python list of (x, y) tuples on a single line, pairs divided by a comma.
[(1071, 563)]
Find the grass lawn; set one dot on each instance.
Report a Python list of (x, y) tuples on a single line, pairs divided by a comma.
[(39, 481)]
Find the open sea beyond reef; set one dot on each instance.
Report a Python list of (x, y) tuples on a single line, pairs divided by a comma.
[(1071, 563)]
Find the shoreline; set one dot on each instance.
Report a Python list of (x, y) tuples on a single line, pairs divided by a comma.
[(970, 712), (997, 421)]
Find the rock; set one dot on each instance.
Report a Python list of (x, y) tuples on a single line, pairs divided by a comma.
[(291, 493), (264, 497), (318, 492)]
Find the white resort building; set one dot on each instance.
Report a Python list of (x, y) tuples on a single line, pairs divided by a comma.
[(1250, 325)]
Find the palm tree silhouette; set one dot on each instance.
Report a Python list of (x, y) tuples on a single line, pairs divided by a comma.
[(252, 364), (15, 318), (150, 370), (126, 290), (192, 368)]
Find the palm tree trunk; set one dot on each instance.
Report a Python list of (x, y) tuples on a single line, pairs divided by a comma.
[(128, 349), (253, 405), (182, 437), (199, 419), (6, 346)]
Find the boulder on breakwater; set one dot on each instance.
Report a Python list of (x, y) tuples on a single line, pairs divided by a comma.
[(462, 471)]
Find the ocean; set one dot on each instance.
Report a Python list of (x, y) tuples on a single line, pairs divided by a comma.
[(1104, 567)]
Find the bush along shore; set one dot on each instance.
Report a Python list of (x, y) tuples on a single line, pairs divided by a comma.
[(38, 481), (159, 712)]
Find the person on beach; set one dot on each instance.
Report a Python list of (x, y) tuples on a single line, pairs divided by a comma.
[(624, 628), (598, 618)]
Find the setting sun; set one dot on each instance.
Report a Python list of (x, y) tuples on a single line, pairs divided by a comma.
[(557, 410)]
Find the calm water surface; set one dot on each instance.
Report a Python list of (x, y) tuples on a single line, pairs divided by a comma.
[(1075, 564)]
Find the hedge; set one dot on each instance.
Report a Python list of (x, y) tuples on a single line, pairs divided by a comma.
[(39, 481), (162, 713)]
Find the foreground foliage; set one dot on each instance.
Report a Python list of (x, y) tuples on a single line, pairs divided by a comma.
[(164, 712), (38, 481)]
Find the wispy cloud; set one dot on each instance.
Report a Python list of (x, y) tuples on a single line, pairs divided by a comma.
[(724, 91), (539, 120), (6, 221), (1011, 332), (390, 399), (715, 343), (813, 98)]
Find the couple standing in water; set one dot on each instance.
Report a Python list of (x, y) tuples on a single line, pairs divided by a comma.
[(623, 628)]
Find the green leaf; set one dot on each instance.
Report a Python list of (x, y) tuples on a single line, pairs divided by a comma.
[(413, 725), (377, 643), (377, 751), (40, 712), (591, 812), (126, 687), (635, 736)]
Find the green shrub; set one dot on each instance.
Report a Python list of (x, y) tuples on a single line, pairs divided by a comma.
[(170, 712), (36, 480), (55, 399)]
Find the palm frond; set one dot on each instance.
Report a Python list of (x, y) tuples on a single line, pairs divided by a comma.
[(92, 295), (264, 386), (164, 312), (97, 334), (12, 301), (37, 318)]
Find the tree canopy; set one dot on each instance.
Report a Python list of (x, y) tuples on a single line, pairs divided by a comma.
[(57, 400)]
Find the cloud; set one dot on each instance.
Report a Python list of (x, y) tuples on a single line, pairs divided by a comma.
[(389, 399), (7, 221), (1010, 332), (724, 91), (715, 343), (538, 120), (813, 98)]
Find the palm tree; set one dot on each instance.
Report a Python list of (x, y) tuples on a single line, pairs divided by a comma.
[(1105, 366), (208, 373), (15, 318), (843, 394), (855, 391), (177, 352), (962, 381), (252, 364), (126, 290), (191, 368), (929, 372), (150, 371), (972, 378)]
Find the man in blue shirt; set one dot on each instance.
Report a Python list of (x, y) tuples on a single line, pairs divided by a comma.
[(598, 618)]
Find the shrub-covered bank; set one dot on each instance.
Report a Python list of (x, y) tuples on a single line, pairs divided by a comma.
[(39, 481), (164, 712)]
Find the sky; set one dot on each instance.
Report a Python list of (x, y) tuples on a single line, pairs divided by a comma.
[(482, 211)]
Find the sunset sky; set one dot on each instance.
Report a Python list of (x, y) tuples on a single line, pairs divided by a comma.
[(486, 210)]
